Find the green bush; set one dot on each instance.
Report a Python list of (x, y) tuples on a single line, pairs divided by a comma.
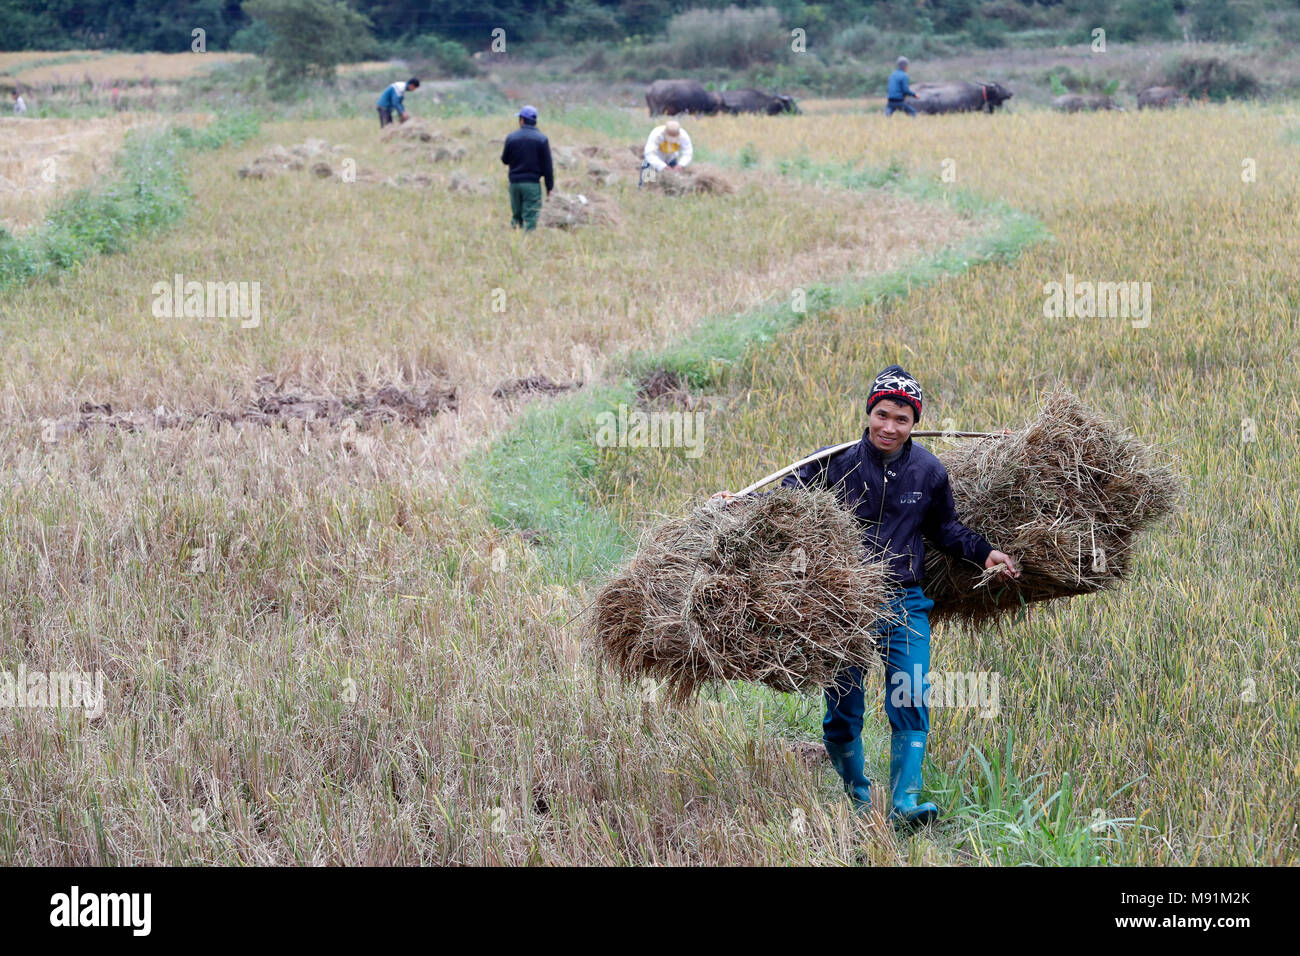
[(1288, 28), (1064, 79), (986, 34), (1221, 20), (588, 21), (446, 57), (147, 193), (1014, 15), (870, 43), (862, 39), (731, 37), (1211, 77), (1136, 19), (594, 62), (19, 260), (255, 38), (310, 38)]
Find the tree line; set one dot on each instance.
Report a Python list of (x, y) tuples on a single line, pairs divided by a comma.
[(146, 25)]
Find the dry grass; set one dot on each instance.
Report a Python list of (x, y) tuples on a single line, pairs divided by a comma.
[(351, 243), (42, 159), (319, 650), (127, 68), (1187, 670), (11, 60), (771, 590), (346, 562)]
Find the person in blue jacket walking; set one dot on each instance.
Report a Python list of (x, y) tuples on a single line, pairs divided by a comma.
[(899, 493), (394, 98), (899, 90)]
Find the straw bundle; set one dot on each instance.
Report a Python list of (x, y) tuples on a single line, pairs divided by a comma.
[(692, 179), (1065, 496), (769, 589), (565, 210)]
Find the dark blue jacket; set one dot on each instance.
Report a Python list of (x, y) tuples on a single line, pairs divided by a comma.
[(898, 85), (527, 152), (896, 504)]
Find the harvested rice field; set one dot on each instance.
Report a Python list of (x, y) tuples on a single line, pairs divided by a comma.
[(326, 477)]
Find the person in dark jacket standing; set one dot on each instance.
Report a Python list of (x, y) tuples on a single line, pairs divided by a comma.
[(900, 493), (899, 90), (527, 152)]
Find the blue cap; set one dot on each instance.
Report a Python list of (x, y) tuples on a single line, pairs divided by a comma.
[(528, 113)]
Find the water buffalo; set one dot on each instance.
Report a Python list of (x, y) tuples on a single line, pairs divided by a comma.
[(1160, 97), (756, 101), (680, 96), (959, 97), (1077, 102)]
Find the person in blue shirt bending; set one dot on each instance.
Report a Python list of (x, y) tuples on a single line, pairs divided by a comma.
[(392, 99), (899, 90)]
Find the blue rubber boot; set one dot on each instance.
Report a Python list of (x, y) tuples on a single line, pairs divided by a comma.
[(847, 759), (906, 753)]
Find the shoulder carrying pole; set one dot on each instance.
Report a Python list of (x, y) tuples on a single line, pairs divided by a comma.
[(827, 452)]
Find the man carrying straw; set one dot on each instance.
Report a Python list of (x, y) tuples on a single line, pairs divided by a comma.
[(899, 492)]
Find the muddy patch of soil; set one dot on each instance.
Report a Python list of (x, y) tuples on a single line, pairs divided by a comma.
[(271, 406), (532, 385)]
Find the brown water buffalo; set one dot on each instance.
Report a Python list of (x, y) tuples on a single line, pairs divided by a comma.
[(1078, 102), (756, 101), (959, 97), (681, 96), (1160, 97)]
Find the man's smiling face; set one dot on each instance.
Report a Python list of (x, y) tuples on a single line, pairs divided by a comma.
[(890, 425)]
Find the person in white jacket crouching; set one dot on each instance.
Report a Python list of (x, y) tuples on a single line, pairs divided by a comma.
[(668, 145)]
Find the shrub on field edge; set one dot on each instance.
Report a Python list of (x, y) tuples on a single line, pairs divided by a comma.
[(732, 37), (445, 57), (1211, 77), (148, 193)]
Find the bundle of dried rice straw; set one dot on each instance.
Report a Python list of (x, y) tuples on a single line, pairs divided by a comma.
[(1064, 496), (769, 589), (691, 179), (565, 210), (776, 589)]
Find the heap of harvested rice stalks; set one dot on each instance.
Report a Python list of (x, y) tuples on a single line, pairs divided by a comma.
[(1064, 496), (412, 131), (565, 210), (769, 589), (690, 179)]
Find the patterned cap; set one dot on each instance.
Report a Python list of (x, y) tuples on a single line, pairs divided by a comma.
[(895, 383)]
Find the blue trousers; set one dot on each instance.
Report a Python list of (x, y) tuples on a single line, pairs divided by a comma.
[(906, 651), (891, 105)]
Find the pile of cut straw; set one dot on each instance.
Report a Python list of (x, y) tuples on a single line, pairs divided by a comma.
[(769, 589), (1065, 496)]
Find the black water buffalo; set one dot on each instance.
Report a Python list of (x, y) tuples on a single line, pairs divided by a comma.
[(680, 96), (1160, 97), (756, 101), (1078, 102), (959, 97)]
